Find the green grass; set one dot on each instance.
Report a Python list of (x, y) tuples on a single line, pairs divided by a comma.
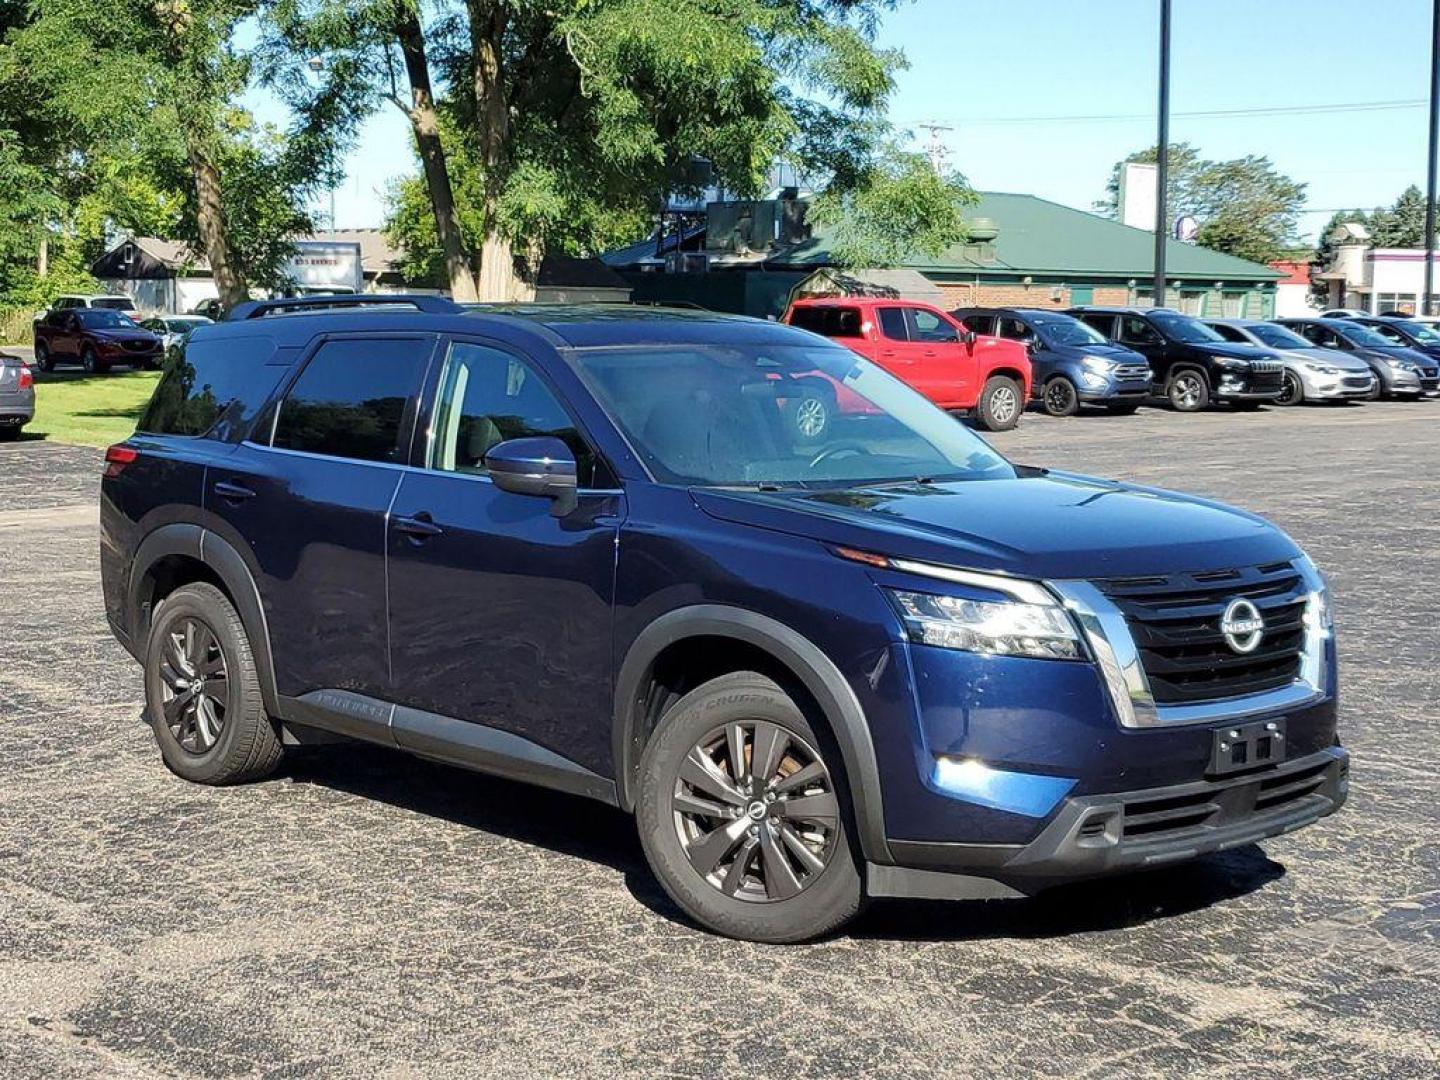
[(92, 410)]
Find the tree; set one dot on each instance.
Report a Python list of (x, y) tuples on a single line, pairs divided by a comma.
[(1244, 206), (1402, 225), (557, 117)]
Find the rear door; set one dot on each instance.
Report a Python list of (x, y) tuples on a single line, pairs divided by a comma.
[(311, 497)]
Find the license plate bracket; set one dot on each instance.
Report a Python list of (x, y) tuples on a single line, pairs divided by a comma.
[(1237, 747)]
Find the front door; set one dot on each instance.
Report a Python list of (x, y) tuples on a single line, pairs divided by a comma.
[(500, 611), (945, 364)]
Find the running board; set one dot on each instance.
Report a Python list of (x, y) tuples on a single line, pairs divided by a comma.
[(443, 738)]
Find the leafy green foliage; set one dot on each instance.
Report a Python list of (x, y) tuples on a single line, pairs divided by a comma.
[(1402, 224), (900, 207), (1244, 206)]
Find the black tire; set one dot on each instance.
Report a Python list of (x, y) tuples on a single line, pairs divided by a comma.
[(9, 433), (825, 901), (1246, 406), (1060, 398), (810, 415), (247, 746), (1292, 390), (1188, 391), (1122, 408), (1000, 404), (43, 360), (1377, 391), (91, 362)]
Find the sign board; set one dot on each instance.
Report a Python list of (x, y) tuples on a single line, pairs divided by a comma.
[(1138, 182), (320, 266)]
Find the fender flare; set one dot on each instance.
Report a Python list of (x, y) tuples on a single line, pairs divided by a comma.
[(801, 657), (198, 543)]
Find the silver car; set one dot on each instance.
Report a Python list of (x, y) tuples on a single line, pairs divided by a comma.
[(1311, 373), (17, 395), (173, 328)]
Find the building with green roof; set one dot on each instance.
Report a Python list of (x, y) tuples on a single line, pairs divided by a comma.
[(1023, 251)]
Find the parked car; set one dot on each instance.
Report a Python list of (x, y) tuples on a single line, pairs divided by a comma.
[(1402, 372), (1342, 313), (171, 329), (210, 309), (580, 546), (1192, 364), (110, 301), (1311, 373), (1408, 334), (1072, 363), (17, 395), (926, 348), (95, 338)]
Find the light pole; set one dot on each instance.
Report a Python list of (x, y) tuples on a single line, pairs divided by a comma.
[(317, 65), (1162, 157), (1427, 303)]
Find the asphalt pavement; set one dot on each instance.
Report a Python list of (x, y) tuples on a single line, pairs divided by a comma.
[(367, 914)]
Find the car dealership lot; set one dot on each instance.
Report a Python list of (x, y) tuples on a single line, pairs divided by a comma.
[(368, 911)]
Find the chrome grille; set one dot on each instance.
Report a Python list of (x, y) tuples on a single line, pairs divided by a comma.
[(1175, 621), (1264, 367), (1133, 371), (1358, 381)]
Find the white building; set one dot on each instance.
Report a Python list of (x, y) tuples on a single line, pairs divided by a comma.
[(1377, 279)]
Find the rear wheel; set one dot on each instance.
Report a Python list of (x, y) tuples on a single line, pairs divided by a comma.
[(202, 692), (1000, 404), (1060, 397), (1188, 391), (741, 816), (1292, 390)]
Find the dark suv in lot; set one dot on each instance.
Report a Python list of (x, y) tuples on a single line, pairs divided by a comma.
[(1193, 365), (583, 547)]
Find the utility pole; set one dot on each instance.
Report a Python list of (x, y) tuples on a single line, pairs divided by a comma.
[(1162, 159), (1427, 304), (935, 148)]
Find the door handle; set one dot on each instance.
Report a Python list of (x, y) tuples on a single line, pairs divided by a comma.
[(232, 491), (419, 527)]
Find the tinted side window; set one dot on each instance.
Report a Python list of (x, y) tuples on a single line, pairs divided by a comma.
[(835, 322), (1229, 333), (214, 386), (487, 396), (352, 397), (1137, 331), (927, 326), (892, 324), (980, 324), (1103, 323), (1014, 329)]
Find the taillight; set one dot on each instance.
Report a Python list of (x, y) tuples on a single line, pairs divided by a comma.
[(27, 380), (117, 457)]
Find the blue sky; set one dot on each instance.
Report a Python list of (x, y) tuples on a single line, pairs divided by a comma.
[(1003, 72)]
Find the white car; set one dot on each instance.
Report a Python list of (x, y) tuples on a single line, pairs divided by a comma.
[(173, 328)]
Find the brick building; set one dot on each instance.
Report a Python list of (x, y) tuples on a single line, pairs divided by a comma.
[(1022, 251)]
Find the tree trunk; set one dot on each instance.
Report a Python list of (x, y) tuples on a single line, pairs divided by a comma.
[(492, 121), (42, 261), (458, 265), (210, 218)]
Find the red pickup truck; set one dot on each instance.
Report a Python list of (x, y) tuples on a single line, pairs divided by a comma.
[(929, 350)]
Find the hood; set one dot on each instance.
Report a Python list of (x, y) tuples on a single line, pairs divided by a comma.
[(117, 334), (1109, 350), (1042, 525), (1402, 352), (1333, 357), (1237, 350)]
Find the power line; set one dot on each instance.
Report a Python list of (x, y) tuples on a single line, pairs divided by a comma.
[(1266, 110)]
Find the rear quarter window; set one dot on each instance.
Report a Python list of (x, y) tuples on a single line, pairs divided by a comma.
[(212, 386), (833, 322)]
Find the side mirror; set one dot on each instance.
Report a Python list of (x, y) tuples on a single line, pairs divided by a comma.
[(967, 336), (541, 465)]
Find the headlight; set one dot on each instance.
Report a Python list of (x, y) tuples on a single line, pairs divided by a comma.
[(1230, 363), (990, 627), (1400, 364), (1101, 365), (1321, 369)]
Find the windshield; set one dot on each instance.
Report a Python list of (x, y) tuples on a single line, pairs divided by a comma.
[(773, 416), (1179, 328), (1426, 335), (1278, 337), (1063, 330), (105, 319), (1363, 335)]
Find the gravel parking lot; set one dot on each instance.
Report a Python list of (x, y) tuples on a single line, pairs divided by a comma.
[(369, 914)]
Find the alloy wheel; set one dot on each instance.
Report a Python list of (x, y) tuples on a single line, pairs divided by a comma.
[(195, 689), (1059, 397), (1185, 391), (756, 811), (1289, 390), (1003, 403), (811, 417)]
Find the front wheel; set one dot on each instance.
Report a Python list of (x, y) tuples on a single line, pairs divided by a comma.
[(1060, 397), (1000, 404), (91, 361), (202, 692), (1188, 391), (741, 816), (1292, 390)]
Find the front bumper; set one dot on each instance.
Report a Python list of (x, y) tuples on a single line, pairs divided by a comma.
[(1341, 387), (1096, 835)]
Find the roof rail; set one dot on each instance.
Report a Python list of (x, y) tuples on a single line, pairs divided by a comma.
[(255, 309)]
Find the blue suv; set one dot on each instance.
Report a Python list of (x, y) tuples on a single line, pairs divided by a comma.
[(1074, 364), (581, 547)]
